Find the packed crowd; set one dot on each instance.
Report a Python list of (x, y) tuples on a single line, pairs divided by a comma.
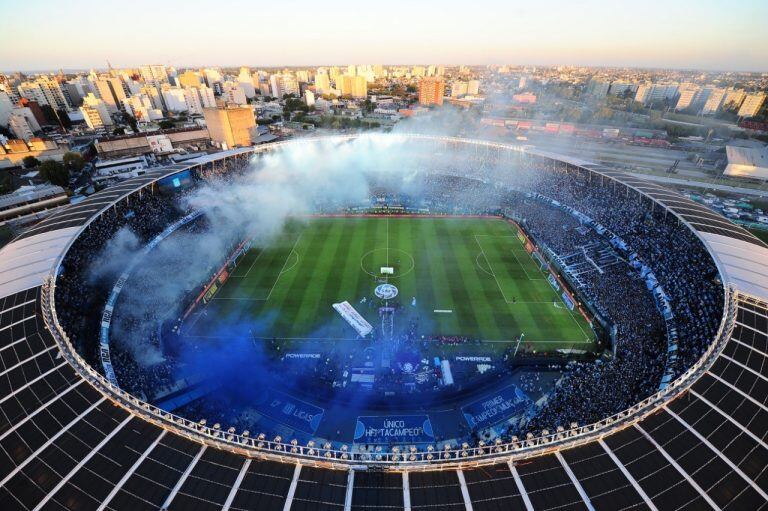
[(95, 261), (587, 391)]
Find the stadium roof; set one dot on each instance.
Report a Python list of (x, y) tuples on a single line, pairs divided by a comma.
[(751, 162), (742, 264), (64, 444), (25, 263)]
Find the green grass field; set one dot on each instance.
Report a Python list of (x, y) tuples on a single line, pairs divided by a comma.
[(475, 268)]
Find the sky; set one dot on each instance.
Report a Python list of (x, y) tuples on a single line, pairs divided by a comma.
[(81, 34)]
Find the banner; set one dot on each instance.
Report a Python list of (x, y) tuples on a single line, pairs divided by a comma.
[(406, 429), (568, 302), (209, 294), (351, 316), (496, 408), (291, 411)]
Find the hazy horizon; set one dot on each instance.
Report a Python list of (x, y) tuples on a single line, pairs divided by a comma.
[(709, 35)]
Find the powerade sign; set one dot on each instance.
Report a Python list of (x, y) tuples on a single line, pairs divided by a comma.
[(292, 412), (406, 429), (496, 408)]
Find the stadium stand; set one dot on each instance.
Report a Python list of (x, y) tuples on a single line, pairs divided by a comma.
[(68, 440)]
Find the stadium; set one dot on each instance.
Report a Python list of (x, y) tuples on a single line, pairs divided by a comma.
[(384, 322)]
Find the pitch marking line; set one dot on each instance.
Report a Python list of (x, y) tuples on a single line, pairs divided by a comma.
[(283, 270), (249, 267), (570, 312), (477, 262), (293, 252), (254, 262), (334, 339), (482, 251), (522, 266)]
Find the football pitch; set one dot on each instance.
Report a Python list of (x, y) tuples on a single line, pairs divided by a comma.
[(456, 276)]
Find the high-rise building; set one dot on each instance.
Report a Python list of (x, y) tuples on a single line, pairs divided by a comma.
[(175, 100), (276, 86), (33, 111), (20, 127), (230, 126), (734, 99), (322, 83), (212, 76), (154, 96), (598, 88), (207, 98), (95, 112), (309, 97), (649, 93), (189, 79), (110, 90), (714, 102), (345, 84), (46, 91), (290, 84), (7, 86), (688, 97), (140, 107), (752, 105), (154, 75), (233, 93), (458, 89), (355, 86), (360, 87), (245, 81), (473, 86), (6, 107), (431, 91), (621, 89)]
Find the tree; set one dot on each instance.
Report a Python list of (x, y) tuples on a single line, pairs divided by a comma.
[(118, 131), (54, 172), (30, 161), (166, 125), (73, 161)]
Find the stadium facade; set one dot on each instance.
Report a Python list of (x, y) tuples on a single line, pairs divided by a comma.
[(71, 439)]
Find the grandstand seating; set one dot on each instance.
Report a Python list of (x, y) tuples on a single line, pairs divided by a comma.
[(65, 444)]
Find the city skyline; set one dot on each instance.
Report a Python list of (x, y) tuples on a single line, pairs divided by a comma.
[(712, 35)]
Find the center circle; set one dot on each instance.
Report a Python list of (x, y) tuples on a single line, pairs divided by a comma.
[(374, 260), (386, 291)]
